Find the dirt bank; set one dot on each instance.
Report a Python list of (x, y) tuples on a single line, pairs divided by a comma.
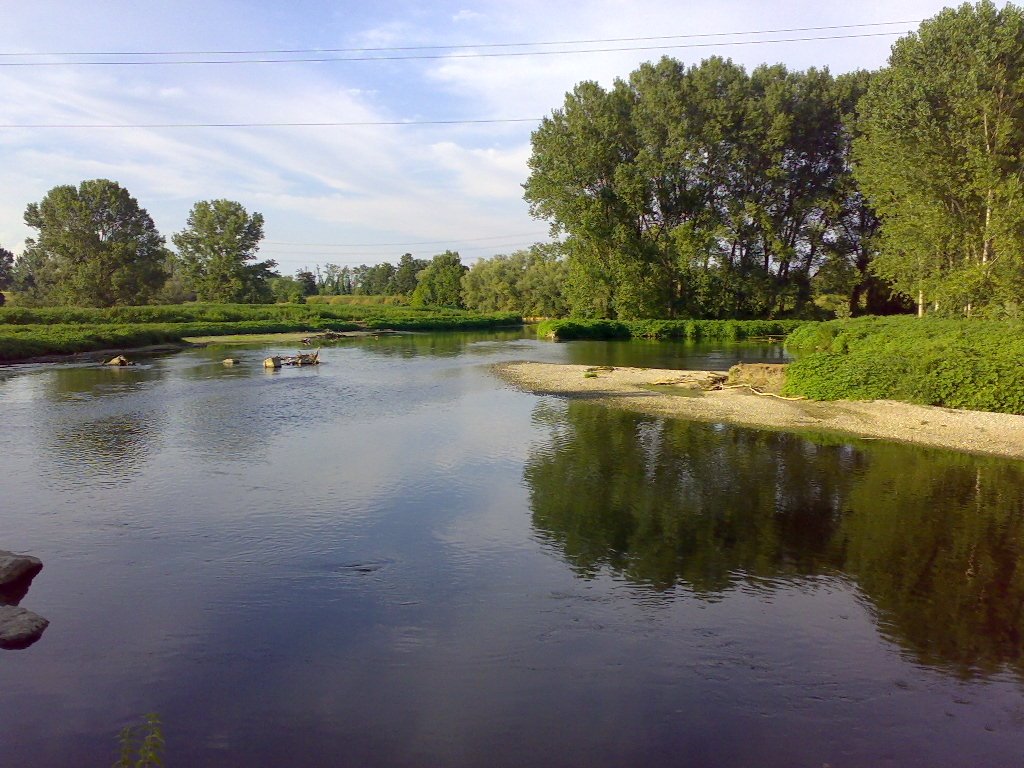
[(678, 393)]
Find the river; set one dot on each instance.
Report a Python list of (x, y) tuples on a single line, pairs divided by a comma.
[(394, 559)]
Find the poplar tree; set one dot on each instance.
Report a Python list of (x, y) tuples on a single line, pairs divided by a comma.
[(216, 247), (940, 160)]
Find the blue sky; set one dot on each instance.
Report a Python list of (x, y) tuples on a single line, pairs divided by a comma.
[(349, 194)]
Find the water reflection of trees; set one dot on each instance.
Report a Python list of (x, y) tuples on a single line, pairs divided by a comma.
[(934, 539), (115, 435)]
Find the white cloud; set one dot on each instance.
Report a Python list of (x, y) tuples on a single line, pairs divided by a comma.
[(467, 15), (347, 184)]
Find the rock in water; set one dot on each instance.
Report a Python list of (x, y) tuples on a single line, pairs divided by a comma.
[(19, 628), (17, 567), (119, 360)]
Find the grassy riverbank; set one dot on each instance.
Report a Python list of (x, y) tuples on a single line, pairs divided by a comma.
[(27, 333), (710, 330), (969, 364)]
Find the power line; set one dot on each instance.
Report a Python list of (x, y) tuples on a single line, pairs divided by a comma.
[(428, 56), (281, 51), (399, 245), (386, 254), (353, 124)]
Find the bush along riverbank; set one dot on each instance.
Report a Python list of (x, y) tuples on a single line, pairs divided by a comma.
[(692, 330), (31, 333), (968, 364)]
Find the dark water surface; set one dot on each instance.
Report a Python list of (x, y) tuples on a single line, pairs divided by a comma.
[(393, 559)]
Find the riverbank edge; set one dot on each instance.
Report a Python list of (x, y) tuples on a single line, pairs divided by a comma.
[(101, 355), (978, 432)]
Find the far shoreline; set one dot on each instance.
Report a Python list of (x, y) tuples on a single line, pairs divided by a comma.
[(189, 342), (660, 392)]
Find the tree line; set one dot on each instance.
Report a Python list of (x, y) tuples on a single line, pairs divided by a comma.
[(95, 245), (702, 191), (708, 191)]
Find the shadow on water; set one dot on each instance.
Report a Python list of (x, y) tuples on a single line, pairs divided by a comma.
[(934, 540)]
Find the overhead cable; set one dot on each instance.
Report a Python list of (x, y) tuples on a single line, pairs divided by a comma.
[(453, 47), (434, 56)]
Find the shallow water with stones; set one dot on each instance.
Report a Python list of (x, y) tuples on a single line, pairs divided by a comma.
[(395, 559)]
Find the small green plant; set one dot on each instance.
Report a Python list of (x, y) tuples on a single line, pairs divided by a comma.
[(589, 374), (142, 745)]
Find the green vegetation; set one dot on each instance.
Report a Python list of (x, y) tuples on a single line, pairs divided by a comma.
[(939, 158), (215, 249), (528, 282), (358, 300), (6, 272), (706, 192), (142, 746), (94, 246), (728, 330), (959, 364), (33, 332), (440, 282)]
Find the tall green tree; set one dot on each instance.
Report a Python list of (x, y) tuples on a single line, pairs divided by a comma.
[(440, 283), (95, 246), (6, 268), (6, 272), (940, 159), (702, 191), (527, 282), (405, 273), (218, 249)]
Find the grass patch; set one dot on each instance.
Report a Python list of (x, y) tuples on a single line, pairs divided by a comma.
[(26, 333)]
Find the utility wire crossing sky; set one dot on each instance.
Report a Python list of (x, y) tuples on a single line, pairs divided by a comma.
[(424, 150)]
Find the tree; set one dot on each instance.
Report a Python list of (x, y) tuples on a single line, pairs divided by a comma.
[(702, 191), (939, 158), (527, 282), (215, 248), (288, 290), (95, 246), (6, 268), (406, 272), (6, 272), (440, 283), (307, 281), (375, 280)]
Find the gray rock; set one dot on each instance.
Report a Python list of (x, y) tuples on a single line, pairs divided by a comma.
[(19, 628), (17, 567)]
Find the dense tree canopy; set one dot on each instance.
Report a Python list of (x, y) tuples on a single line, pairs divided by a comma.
[(527, 282), (940, 158), (440, 283), (95, 246), (215, 249), (701, 191), (6, 268)]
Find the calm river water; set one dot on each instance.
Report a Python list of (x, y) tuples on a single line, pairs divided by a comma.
[(395, 560)]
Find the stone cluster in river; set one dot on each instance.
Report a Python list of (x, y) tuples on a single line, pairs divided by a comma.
[(19, 627)]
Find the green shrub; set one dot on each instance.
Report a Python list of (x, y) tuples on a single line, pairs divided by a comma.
[(954, 363), (728, 330)]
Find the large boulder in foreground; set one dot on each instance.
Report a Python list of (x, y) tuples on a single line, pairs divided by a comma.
[(14, 568), (19, 627)]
